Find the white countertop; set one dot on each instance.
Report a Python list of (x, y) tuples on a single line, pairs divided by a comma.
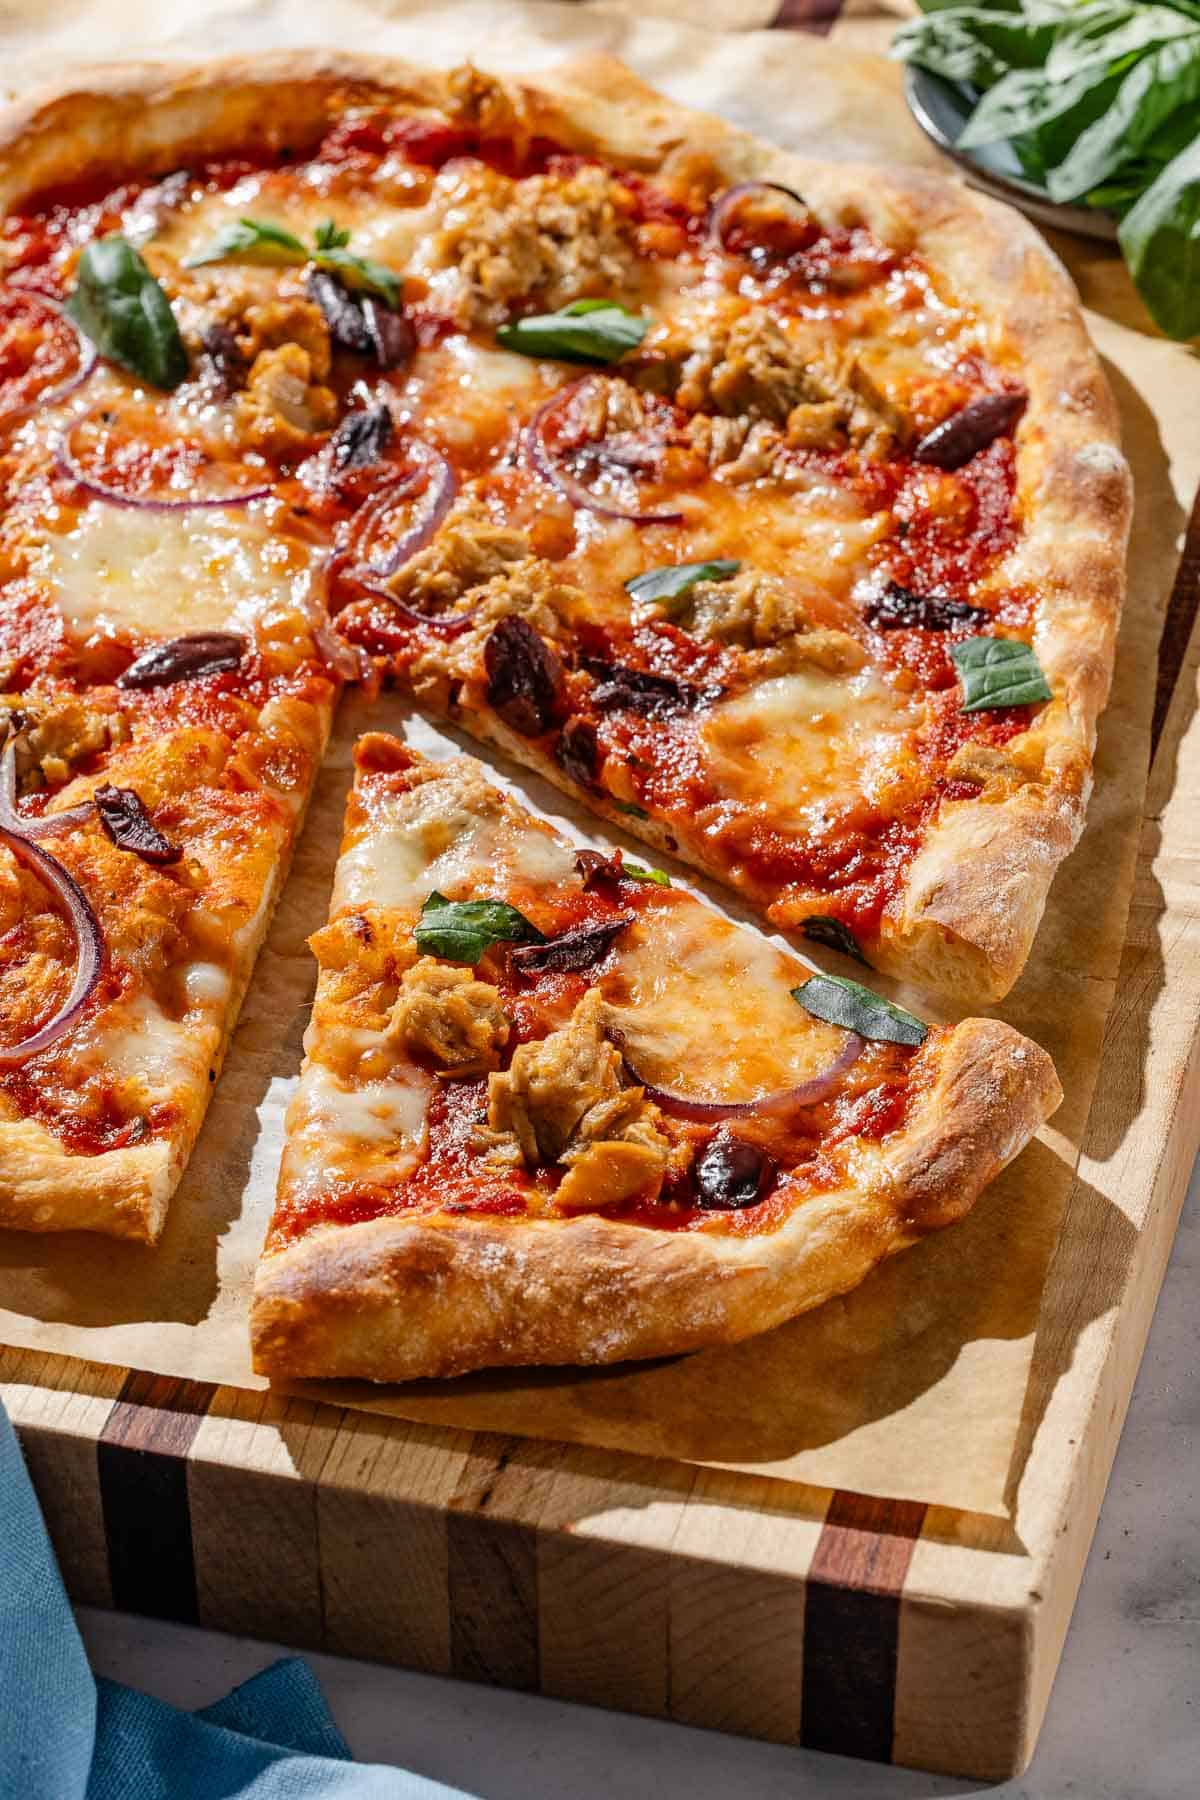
[(1124, 1719)]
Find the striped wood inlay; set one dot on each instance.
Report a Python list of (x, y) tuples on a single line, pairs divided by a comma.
[(141, 1458), (852, 1624)]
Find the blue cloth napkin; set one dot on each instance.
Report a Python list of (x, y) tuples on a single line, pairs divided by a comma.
[(66, 1736)]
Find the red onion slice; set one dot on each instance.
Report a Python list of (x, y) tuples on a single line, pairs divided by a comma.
[(344, 660), (49, 824), (439, 488), (99, 489), (727, 203), (89, 945), (790, 1100), (446, 625), (545, 462), (89, 356)]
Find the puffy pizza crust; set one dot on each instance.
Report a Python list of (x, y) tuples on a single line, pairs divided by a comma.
[(400, 1298), (966, 917)]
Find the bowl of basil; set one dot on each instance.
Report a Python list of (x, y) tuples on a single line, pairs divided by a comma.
[(1084, 113)]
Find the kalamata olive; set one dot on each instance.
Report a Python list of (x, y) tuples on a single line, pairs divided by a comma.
[(597, 869), (577, 949), (125, 819), (730, 1173), (526, 684), (577, 752), (965, 433), (361, 323), (362, 437), (900, 609), (392, 336), (341, 312), (228, 363), (184, 659), (623, 689)]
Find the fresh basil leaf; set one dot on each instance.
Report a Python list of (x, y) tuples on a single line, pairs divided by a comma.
[(674, 579), (462, 930), (627, 806), (590, 331), (972, 45), (998, 672), (839, 1001), (252, 240), (1165, 82), (1160, 238), (1025, 101), (329, 235), (258, 240), (119, 305), (361, 273), (819, 928), (635, 871)]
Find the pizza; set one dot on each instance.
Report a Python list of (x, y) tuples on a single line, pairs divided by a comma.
[(772, 509), (554, 1109)]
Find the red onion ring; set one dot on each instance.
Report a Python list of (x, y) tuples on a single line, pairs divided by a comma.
[(731, 199), (343, 659), (573, 490), (441, 485), (115, 496), (446, 625), (710, 1112), (89, 356), (89, 945), (49, 824)]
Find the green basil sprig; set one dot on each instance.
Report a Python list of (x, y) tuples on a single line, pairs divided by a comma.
[(635, 871), (998, 672), (461, 930), (674, 579), (1098, 99), (587, 331), (839, 1001), (261, 241), (119, 305)]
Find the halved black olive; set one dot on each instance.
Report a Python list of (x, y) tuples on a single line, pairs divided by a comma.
[(362, 438), (578, 752), (362, 323), (623, 689), (184, 659), (900, 609), (227, 362), (597, 869), (526, 682), (126, 821), (577, 949), (965, 433), (819, 928), (730, 1173)]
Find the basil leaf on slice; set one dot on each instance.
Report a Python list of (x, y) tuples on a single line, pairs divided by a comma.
[(589, 331), (998, 672), (253, 240), (461, 930), (839, 1001), (819, 928), (629, 806), (360, 272), (119, 305), (674, 579), (329, 235), (635, 871)]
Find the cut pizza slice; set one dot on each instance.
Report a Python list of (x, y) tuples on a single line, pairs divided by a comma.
[(554, 1109)]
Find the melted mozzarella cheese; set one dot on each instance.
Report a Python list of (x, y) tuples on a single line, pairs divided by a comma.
[(158, 1054), (424, 840), (706, 1009), (120, 569), (388, 233), (812, 742), (374, 1112)]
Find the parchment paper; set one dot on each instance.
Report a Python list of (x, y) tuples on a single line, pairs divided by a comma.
[(913, 1385)]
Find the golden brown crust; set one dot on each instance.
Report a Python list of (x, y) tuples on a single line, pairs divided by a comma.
[(399, 1299)]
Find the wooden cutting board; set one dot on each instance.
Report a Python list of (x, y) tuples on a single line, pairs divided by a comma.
[(875, 1628)]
